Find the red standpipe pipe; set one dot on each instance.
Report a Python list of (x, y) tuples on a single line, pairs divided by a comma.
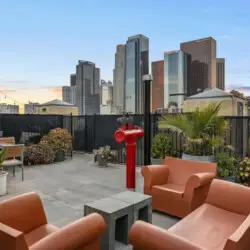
[(130, 164)]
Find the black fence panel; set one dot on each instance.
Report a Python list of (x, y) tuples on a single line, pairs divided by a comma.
[(22, 127)]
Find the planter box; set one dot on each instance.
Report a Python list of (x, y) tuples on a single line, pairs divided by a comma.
[(59, 156), (3, 182), (101, 162), (208, 158), (155, 161)]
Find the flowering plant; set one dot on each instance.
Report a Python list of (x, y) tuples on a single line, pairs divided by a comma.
[(244, 171), (104, 155), (59, 139)]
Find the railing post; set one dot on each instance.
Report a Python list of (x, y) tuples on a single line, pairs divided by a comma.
[(147, 119)]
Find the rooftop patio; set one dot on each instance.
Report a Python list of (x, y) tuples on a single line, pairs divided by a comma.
[(65, 187)]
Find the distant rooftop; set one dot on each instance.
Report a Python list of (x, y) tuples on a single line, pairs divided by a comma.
[(56, 102), (210, 93)]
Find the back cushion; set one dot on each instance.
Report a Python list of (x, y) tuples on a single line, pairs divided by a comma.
[(23, 213), (180, 170)]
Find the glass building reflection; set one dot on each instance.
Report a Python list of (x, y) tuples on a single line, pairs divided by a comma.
[(176, 77), (136, 65)]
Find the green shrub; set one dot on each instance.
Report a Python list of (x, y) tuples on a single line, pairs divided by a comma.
[(161, 146), (225, 164), (41, 153)]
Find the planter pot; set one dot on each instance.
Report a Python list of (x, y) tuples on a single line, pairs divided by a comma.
[(59, 156), (155, 161), (208, 158), (101, 161), (230, 178), (3, 182)]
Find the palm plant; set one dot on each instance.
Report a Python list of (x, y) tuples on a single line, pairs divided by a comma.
[(203, 129)]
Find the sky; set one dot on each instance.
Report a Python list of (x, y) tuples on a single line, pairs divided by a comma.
[(41, 41)]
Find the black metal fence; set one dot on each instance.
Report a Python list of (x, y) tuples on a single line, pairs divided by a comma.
[(92, 132)]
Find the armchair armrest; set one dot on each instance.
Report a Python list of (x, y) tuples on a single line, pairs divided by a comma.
[(218, 195), (78, 234), (11, 238), (154, 175), (144, 236), (240, 238), (197, 188)]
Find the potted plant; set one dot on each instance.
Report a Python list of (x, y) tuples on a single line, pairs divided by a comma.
[(3, 174), (161, 147), (203, 131), (226, 169), (104, 155), (60, 140), (244, 171)]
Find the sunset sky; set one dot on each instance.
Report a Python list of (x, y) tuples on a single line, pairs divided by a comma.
[(41, 41)]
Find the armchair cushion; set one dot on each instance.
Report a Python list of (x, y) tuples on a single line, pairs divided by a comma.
[(171, 188), (208, 226), (39, 233)]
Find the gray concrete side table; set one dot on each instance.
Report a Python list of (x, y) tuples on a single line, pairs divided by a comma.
[(142, 204), (118, 216)]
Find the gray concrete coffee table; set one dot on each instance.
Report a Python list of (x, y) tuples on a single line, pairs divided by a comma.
[(142, 204), (118, 216)]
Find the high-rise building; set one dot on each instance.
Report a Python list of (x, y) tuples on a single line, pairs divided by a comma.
[(73, 80), (220, 74), (157, 85), (203, 66), (67, 94), (31, 108), (176, 78), (106, 94), (119, 79), (9, 108), (87, 88), (136, 65)]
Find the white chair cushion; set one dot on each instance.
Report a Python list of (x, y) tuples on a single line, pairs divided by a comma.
[(11, 162)]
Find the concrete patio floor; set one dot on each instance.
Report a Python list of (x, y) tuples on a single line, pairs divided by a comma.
[(65, 187)]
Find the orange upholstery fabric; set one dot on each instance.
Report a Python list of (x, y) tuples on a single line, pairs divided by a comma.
[(23, 226), (216, 225), (179, 186)]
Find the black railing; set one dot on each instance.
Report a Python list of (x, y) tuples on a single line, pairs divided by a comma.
[(93, 131)]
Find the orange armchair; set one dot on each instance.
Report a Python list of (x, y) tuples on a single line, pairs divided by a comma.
[(23, 226), (179, 186), (221, 223)]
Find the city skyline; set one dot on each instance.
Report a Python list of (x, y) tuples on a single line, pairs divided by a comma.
[(37, 54)]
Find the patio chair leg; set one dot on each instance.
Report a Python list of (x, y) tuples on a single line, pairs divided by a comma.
[(22, 173), (14, 171)]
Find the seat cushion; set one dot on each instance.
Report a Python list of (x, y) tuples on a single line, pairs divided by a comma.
[(39, 233), (208, 226), (175, 189), (11, 162)]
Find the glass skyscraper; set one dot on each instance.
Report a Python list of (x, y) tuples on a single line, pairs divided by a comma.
[(176, 77), (136, 65)]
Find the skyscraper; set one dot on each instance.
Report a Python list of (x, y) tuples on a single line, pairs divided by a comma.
[(203, 66), (176, 77), (157, 85), (87, 88), (136, 65), (73, 80), (220, 74), (67, 94), (119, 79)]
